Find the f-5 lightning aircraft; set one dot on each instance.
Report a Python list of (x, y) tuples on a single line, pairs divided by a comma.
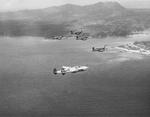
[(67, 69)]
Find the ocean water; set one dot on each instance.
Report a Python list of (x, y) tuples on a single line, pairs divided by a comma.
[(115, 85)]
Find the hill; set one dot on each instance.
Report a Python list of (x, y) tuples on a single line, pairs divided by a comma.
[(100, 19)]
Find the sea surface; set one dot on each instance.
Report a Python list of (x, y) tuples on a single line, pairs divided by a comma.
[(115, 85)]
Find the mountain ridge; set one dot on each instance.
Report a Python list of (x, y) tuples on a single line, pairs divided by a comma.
[(101, 19), (61, 10)]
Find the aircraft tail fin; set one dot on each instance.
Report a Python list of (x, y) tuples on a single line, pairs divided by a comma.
[(93, 49), (55, 71)]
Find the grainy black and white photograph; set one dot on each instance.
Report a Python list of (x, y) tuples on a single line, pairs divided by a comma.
[(74, 58)]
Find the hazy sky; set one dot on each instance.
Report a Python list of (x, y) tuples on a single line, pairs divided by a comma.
[(6, 5)]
